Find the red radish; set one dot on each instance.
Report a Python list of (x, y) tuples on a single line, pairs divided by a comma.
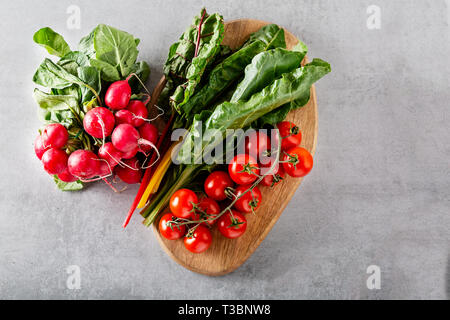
[(118, 95), (139, 111), (54, 135), (150, 133), (123, 116), (125, 137), (110, 154), (54, 160), (83, 164), (127, 174), (99, 122), (66, 176), (104, 169), (130, 154), (39, 148)]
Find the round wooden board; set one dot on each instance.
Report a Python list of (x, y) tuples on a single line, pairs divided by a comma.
[(226, 255)]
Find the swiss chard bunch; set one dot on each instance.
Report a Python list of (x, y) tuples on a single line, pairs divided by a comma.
[(255, 86), (75, 82)]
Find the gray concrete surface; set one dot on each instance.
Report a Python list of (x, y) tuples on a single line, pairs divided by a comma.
[(379, 193)]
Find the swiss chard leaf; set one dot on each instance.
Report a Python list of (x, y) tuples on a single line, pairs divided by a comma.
[(291, 86), (272, 36), (53, 42), (189, 57), (231, 69), (67, 186), (265, 68), (116, 52), (220, 78), (317, 69)]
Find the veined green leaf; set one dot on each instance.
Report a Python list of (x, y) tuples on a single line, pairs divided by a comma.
[(114, 49), (278, 115), (265, 68), (272, 36), (53, 42), (51, 75)]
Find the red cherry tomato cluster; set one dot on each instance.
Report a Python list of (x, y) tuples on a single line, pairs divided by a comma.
[(123, 127), (192, 216)]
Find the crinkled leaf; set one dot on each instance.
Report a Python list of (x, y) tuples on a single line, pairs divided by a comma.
[(212, 32), (186, 63), (265, 68), (52, 41), (67, 186)]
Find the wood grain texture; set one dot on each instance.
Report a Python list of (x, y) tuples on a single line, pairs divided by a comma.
[(226, 255)]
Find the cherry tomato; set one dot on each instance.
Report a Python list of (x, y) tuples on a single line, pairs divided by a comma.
[(257, 143), (171, 231), (243, 169), (299, 162), (208, 209), (273, 179), (182, 203), (248, 202), (232, 224), (216, 183), (199, 241), (291, 136)]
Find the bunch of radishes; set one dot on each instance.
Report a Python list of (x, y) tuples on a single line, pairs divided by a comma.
[(124, 129)]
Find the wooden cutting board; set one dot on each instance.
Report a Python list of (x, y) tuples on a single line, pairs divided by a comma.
[(226, 255)]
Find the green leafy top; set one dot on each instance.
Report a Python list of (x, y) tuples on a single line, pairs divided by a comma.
[(116, 52), (52, 41)]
